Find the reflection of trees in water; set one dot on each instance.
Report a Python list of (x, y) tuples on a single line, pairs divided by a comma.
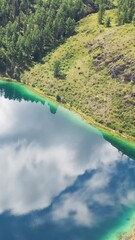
[(121, 145), (13, 92), (53, 108)]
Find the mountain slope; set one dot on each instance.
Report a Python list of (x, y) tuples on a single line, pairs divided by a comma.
[(96, 73), (29, 29)]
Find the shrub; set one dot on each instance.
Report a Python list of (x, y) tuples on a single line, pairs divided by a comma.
[(58, 98), (133, 21), (108, 22), (57, 68)]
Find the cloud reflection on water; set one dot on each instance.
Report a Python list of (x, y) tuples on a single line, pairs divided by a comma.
[(42, 156)]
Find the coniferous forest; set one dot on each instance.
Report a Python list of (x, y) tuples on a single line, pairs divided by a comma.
[(30, 29)]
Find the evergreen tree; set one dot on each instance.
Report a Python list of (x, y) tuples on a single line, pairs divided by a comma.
[(133, 20), (101, 12), (57, 68), (108, 22), (126, 11), (29, 29)]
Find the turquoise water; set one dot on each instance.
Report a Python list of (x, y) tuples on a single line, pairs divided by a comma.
[(59, 177)]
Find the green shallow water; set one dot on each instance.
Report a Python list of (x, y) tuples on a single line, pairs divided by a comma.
[(64, 178), (124, 226)]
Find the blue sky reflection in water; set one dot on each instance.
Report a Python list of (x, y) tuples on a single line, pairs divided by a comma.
[(58, 180)]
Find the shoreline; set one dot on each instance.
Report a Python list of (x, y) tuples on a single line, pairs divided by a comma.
[(89, 120), (126, 229), (104, 129), (120, 233)]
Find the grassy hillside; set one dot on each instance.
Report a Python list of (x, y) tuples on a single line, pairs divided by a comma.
[(97, 73), (30, 29)]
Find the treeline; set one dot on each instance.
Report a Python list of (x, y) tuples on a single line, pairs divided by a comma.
[(29, 29), (14, 92), (125, 13)]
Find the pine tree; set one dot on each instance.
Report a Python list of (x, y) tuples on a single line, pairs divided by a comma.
[(108, 22), (101, 11), (57, 68), (126, 11), (133, 21)]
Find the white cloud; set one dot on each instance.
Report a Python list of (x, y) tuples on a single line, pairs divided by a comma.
[(77, 210), (7, 120), (128, 198), (32, 174), (94, 191), (99, 181)]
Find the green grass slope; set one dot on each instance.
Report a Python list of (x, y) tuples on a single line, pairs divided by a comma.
[(97, 73)]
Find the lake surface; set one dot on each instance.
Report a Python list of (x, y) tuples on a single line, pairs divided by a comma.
[(59, 177)]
